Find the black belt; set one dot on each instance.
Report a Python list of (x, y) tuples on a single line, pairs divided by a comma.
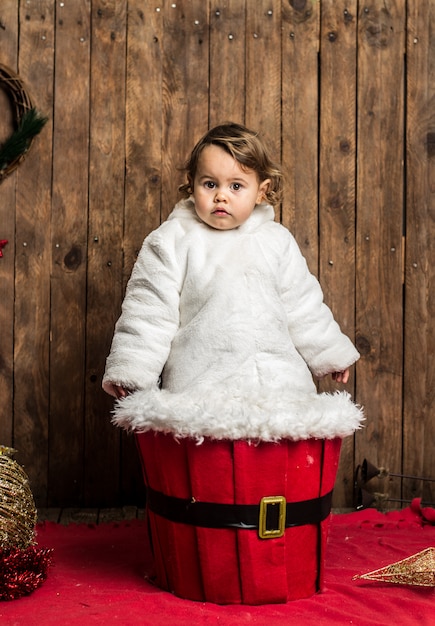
[(270, 517)]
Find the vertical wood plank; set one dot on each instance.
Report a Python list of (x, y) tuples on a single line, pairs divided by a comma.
[(337, 189), (227, 61), (185, 89), (105, 258), (379, 232), (419, 387), (32, 285), (263, 87), (143, 132), (9, 48), (300, 43), (69, 245)]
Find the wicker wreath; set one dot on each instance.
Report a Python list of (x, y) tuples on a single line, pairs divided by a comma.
[(27, 122)]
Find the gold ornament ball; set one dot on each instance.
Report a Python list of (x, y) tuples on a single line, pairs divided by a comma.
[(18, 513)]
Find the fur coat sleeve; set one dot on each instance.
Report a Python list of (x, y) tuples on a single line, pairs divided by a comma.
[(315, 333), (150, 315)]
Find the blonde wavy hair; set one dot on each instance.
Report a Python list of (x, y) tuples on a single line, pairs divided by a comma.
[(246, 147)]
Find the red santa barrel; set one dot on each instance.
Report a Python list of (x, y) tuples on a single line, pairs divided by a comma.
[(238, 522)]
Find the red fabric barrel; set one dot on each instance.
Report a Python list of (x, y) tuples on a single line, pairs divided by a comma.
[(228, 565)]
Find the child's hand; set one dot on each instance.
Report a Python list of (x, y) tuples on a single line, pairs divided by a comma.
[(120, 392), (341, 377)]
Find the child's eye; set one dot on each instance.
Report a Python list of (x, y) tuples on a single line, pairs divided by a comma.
[(209, 184), (236, 186)]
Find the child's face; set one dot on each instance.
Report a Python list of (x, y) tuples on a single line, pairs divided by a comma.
[(225, 194)]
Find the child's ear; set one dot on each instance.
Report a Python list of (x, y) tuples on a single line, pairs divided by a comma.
[(263, 189)]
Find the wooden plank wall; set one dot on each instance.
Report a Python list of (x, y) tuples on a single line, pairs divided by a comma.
[(344, 94)]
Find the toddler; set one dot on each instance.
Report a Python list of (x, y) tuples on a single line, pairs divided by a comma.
[(222, 325)]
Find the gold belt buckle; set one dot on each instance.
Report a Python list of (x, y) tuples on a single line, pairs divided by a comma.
[(271, 501)]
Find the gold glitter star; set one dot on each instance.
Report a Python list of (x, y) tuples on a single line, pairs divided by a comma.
[(417, 570)]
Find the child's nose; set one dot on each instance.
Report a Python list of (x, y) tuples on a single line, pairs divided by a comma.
[(219, 195)]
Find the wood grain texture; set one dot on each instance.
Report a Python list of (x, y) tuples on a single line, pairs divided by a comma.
[(102, 463), (419, 387), (33, 255), (337, 188), (69, 223), (227, 61), (143, 130), (263, 72), (9, 46), (185, 66), (300, 125), (379, 315)]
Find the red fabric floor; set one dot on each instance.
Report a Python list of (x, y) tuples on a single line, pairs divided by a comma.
[(97, 577)]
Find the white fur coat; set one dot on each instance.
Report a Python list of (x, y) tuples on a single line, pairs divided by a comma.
[(235, 325)]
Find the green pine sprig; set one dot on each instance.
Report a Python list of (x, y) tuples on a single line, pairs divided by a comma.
[(19, 142)]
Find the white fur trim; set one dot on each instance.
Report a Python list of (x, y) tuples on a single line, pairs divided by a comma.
[(250, 415)]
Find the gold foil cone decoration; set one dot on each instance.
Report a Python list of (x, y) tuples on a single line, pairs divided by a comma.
[(417, 570), (18, 513)]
